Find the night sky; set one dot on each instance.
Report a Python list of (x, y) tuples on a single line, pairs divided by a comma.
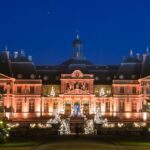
[(45, 29)]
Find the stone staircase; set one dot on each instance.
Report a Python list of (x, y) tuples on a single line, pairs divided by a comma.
[(77, 123)]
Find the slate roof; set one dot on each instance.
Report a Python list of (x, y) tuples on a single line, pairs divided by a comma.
[(130, 69), (102, 74), (26, 69), (146, 66), (132, 60), (5, 67)]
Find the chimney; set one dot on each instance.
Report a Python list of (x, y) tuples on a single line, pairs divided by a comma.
[(30, 58), (138, 56), (144, 58), (6, 48), (15, 54), (22, 53), (147, 49), (131, 53), (8, 54)]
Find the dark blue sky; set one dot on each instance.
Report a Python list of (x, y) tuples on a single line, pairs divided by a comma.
[(45, 28)]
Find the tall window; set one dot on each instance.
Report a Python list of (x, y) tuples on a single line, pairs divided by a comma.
[(147, 90), (46, 107), (19, 106), (1, 88), (121, 90), (98, 106), (142, 90), (31, 106), (1, 106), (121, 106), (134, 109), (55, 106), (19, 89), (31, 89), (134, 90), (107, 106)]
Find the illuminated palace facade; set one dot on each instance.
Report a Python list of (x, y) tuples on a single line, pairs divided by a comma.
[(76, 87)]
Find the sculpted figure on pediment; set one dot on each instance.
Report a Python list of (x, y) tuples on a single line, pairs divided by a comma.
[(76, 85)]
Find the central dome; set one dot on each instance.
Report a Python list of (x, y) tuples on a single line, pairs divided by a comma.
[(77, 59)]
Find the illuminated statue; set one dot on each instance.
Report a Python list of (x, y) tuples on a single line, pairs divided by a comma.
[(65, 126), (54, 120), (70, 86), (99, 120), (52, 92), (101, 92), (77, 85), (89, 127)]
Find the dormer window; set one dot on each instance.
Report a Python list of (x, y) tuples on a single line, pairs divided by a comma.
[(133, 76), (19, 76), (108, 78), (45, 78), (96, 78), (121, 77), (32, 76)]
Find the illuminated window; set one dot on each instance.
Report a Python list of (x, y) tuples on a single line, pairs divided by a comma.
[(148, 106), (55, 106), (134, 106), (147, 90), (121, 106), (107, 106), (68, 109), (108, 91), (121, 90), (134, 90), (31, 89), (1, 106), (46, 107), (1, 89), (19, 89), (31, 106), (19, 106), (98, 105)]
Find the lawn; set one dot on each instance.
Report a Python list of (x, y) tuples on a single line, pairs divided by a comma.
[(82, 143)]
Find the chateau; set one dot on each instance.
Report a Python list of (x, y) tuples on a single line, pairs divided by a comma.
[(77, 87)]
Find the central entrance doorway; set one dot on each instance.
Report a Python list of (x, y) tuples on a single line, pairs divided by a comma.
[(77, 120), (76, 109)]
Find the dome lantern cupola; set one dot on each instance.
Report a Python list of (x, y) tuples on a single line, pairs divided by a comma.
[(77, 46), (77, 43)]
